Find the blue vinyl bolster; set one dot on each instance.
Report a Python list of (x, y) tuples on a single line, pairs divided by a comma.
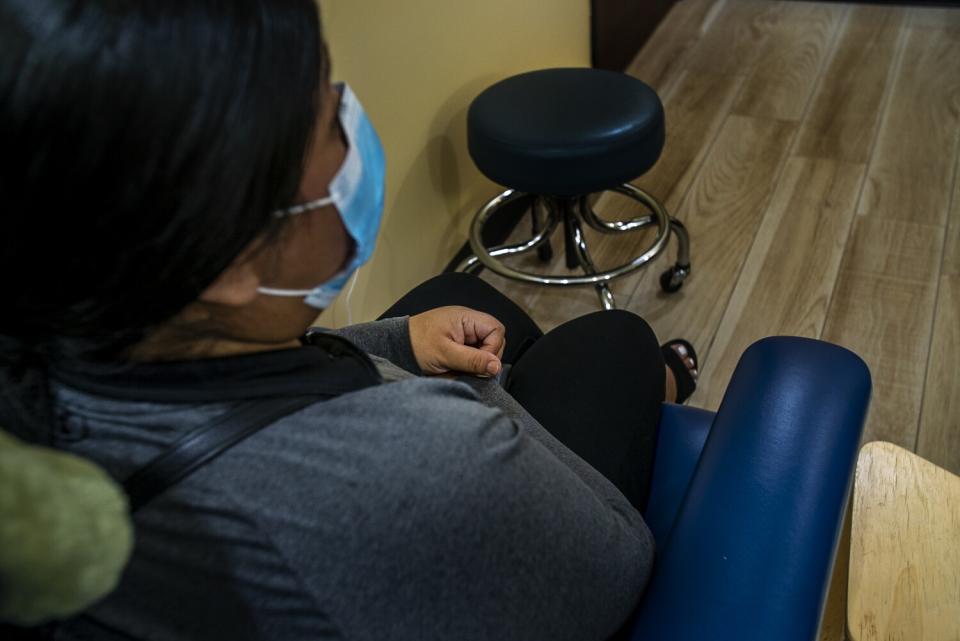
[(682, 432), (750, 553)]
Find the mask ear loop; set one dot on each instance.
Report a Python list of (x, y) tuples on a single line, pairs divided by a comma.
[(303, 208), (346, 303)]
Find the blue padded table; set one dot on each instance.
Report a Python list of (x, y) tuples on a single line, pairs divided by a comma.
[(746, 504)]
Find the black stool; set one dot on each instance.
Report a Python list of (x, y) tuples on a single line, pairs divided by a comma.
[(560, 135)]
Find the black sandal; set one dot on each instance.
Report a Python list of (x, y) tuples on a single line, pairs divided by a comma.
[(686, 383)]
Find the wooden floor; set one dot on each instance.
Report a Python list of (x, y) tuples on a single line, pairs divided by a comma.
[(812, 151)]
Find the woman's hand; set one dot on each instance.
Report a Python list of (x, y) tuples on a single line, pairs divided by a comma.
[(457, 339)]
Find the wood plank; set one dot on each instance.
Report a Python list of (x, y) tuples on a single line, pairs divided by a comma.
[(660, 62), (722, 212), (935, 17), (895, 248), (905, 557), (882, 309), (951, 256), (939, 439), (736, 38), (694, 113), (951, 259), (842, 119), (789, 275), (886, 321), (783, 80), (911, 172)]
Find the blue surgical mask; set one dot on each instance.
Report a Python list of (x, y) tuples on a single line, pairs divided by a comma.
[(357, 193)]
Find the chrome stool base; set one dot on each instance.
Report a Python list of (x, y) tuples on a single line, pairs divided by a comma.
[(571, 212)]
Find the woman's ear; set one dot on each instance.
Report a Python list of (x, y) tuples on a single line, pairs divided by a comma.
[(236, 286)]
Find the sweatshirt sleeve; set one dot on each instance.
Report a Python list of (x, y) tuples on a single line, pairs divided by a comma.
[(388, 338), (462, 525)]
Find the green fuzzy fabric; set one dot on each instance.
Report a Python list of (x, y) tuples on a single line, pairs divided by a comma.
[(65, 533)]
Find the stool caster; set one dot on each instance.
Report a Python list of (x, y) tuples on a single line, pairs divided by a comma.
[(672, 280)]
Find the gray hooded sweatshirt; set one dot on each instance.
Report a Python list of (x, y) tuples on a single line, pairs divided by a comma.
[(406, 507)]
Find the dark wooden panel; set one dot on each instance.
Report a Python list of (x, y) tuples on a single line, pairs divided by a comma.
[(618, 28)]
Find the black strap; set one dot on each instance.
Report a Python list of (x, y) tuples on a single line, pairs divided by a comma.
[(204, 444)]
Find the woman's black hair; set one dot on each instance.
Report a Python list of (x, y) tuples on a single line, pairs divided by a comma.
[(143, 145)]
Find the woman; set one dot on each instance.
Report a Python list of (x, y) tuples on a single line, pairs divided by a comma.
[(178, 178)]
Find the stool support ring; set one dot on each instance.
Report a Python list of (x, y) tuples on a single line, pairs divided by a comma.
[(573, 208)]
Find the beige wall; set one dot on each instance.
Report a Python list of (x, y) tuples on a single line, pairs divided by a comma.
[(415, 65)]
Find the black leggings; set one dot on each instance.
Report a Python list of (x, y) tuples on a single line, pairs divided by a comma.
[(596, 382)]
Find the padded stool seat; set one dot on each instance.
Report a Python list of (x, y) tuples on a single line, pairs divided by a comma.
[(565, 132)]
